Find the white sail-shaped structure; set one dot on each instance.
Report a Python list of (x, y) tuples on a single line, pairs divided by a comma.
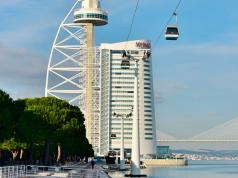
[(73, 72)]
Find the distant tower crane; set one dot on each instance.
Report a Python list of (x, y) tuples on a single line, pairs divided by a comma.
[(74, 66)]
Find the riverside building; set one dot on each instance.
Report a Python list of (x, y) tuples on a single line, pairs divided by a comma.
[(117, 95)]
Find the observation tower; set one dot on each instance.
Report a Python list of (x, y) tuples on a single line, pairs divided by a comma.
[(74, 66)]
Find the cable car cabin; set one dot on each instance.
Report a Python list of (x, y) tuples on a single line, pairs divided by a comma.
[(113, 136), (125, 63), (172, 32), (124, 54), (147, 55)]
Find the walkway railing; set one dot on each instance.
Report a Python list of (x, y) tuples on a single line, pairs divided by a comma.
[(71, 172), (44, 171), (12, 172)]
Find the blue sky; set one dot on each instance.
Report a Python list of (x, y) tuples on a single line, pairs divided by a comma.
[(195, 78)]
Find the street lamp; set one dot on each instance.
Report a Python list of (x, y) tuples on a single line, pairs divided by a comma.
[(123, 116), (135, 153)]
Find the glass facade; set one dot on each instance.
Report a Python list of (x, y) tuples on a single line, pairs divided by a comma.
[(91, 15)]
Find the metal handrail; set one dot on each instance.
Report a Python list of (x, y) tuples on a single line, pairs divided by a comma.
[(13, 171), (22, 171)]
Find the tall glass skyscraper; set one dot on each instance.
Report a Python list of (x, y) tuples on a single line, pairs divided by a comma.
[(117, 95)]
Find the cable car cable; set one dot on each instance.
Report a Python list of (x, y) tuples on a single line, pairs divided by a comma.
[(132, 22), (125, 63), (133, 19), (169, 20)]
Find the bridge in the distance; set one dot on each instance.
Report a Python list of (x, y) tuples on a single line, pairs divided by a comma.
[(224, 133)]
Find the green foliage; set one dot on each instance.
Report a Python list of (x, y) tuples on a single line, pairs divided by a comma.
[(31, 128), (7, 115), (41, 124), (56, 112), (5, 100), (12, 145)]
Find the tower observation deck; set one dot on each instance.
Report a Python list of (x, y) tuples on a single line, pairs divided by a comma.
[(91, 13), (74, 66)]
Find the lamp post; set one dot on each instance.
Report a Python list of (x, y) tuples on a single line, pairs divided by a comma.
[(122, 158), (135, 155)]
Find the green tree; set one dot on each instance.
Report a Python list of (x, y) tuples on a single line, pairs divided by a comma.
[(48, 124), (64, 125), (13, 146), (7, 119), (33, 130), (7, 115), (73, 142)]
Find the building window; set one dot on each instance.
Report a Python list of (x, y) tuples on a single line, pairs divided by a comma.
[(148, 111), (122, 87), (147, 88), (147, 97), (121, 105), (134, 52), (116, 51), (116, 128), (117, 91), (148, 106), (122, 101), (122, 96), (127, 123), (122, 82), (116, 123), (127, 138), (148, 115), (127, 128), (125, 78)]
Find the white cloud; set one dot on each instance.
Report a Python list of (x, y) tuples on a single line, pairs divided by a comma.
[(206, 49), (10, 3), (25, 39), (23, 70), (30, 23), (188, 66)]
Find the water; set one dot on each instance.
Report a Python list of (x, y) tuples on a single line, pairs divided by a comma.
[(196, 169)]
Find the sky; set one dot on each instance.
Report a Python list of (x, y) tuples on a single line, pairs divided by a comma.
[(195, 78)]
